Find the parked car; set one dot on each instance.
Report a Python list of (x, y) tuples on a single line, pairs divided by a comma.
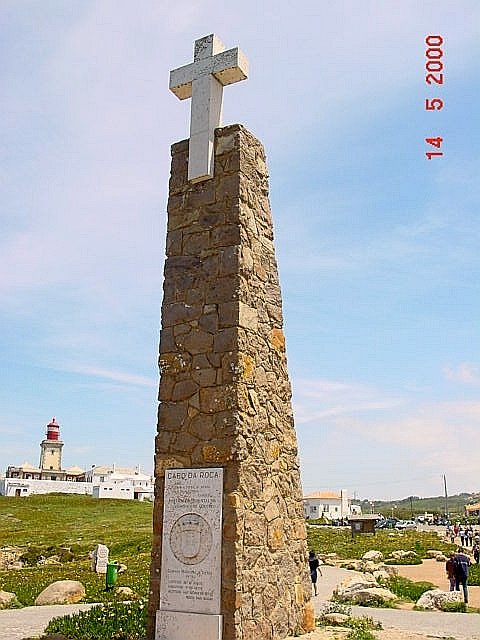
[(406, 524), (386, 523)]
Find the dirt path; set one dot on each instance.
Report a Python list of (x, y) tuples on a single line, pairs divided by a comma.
[(400, 624), (433, 571)]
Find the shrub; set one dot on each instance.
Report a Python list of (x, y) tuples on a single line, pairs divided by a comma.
[(372, 601), (115, 621), (474, 575), (454, 607), (404, 561), (336, 607), (407, 589), (361, 628)]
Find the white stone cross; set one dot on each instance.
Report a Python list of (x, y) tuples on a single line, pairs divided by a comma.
[(203, 81)]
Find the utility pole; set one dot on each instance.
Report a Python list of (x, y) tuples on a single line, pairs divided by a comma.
[(446, 495), (411, 506)]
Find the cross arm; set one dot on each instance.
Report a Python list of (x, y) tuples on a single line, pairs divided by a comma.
[(181, 81), (230, 66)]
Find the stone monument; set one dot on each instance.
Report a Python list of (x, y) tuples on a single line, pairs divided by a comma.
[(100, 558), (229, 557)]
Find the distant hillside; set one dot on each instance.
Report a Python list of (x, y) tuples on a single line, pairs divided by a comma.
[(404, 508)]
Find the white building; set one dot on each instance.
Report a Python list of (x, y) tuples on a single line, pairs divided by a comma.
[(329, 505), (122, 490), (49, 477), (120, 482)]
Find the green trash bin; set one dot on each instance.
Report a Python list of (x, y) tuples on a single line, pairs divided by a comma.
[(111, 575)]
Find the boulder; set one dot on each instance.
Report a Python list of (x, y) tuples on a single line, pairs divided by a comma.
[(126, 593), (7, 599), (373, 596), (441, 558), (401, 553), (122, 568), (375, 556), (335, 618), (381, 575), (436, 598), (388, 568), (55, 559), (353, 565), (433, 553), (62, 592), (8, 555), (369, 566), (362, 588), (355, 582)]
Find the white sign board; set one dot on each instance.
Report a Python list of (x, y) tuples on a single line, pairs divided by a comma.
[(192, 541)]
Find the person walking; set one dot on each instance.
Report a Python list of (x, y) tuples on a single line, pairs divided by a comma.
[(470, 537), (450, 569), (476, 553), (314, 564), (461, 533), (462, 566)]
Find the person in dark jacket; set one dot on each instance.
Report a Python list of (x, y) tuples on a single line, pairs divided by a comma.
[(462, 565), (450, 569), (314, 564)]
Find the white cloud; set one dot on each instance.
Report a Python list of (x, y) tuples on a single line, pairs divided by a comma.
[(366, 439), (465, 372), (318, 399), (114, 376)]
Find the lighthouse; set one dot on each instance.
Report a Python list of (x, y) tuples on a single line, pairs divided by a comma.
[(51, 448)]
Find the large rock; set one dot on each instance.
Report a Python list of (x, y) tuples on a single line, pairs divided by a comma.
[(388, 568), (62, 592), (336, 618), (369, 566), (7, 599), (401, 553), (373, 596), (8, 555), (436, 598), (361, 589), (374, 556), (352, 565), (381, 575)]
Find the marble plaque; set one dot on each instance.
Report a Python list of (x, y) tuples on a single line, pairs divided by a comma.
[(179, 626), (100, 558), (192, 541)]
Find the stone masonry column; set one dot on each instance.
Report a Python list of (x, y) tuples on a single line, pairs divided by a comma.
[(225, 396)]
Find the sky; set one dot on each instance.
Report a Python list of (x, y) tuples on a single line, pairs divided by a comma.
[(377, 246)]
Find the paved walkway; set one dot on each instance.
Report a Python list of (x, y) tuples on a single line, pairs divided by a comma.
[(16, 624), (458, 626)]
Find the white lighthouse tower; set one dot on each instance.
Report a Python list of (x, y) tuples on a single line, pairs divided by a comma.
[(51, 448)]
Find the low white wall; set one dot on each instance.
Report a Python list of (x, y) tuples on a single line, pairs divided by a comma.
[(9, 487)]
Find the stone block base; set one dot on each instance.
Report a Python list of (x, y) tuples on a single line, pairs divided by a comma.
[(175, 625)]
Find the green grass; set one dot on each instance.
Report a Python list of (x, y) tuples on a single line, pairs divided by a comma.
[(44, 524), (339, 541), (406, 589), (81, 521)]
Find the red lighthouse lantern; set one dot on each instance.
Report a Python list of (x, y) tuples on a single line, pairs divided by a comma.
[(53, 430)]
